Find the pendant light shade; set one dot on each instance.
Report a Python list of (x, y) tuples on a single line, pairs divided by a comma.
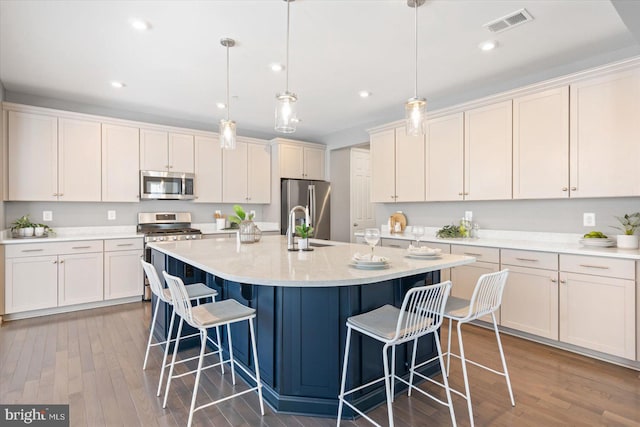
[(416, 108), (286, 111), (227, 129)]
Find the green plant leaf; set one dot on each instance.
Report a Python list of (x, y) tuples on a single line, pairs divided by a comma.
[(239, 211)]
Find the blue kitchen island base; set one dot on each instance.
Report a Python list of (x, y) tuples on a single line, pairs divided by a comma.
[(301, 338)]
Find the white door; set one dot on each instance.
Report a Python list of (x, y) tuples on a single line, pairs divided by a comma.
[(122, 274), (235, 174), (208, 170), (31, 283), (258, 173), (444, 153), (181, 153), (154, 150), (80, 278), (120, 163), (313, 163), (362, 211), (383, 167)]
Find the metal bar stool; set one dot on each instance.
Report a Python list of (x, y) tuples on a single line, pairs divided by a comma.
[(486, 299), (421, 314), (204, 317), (195, 292)]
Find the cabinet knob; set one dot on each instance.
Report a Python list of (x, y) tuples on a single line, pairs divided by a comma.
[(60, 194), (355, 224), (564, 189), (459, 194), (466, 194), (554, 280), (61, 261), (55, 262), (574, 188), (563, 281)]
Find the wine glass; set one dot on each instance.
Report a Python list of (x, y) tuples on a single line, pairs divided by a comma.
[(372, 237), (418, 232)]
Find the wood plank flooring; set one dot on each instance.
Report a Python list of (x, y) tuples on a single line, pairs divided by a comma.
[(93, 360)]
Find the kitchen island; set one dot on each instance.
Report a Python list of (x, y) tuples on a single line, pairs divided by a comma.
[(303, 299)]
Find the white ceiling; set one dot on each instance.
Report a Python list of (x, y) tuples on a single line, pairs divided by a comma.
[(71, 50)]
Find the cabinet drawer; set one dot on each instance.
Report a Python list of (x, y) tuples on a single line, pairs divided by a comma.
[(598, 266), (395, 243), (544, 260), (78, 247), (444, 247), (479, 252), (122, 244), (31, 249)]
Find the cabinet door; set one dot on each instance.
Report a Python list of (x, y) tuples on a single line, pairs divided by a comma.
[(258, 173), (291, 160), (120, 163), (605, 127), (32, 156), (410, 172), (122, 274), (487, 152), (445, 158), (154, 150), (208, 170), (79, 160), (465, 278), (313, 163), (541, 145), (235, 174), (181, 153), (31, 283), (383, 159), (80, 278), (530, 301), (598, 313)]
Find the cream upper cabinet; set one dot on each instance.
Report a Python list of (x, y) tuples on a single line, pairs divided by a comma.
[(300, 161), (164, 151), (383, 157), (541, 145), (120, 163), (246, 174), (397, 167), (445, 158), (32, 156), (487, 152), (79, 160), (605, 127), (208, 170)]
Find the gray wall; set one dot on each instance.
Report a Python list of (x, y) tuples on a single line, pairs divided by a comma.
[(562, 216), (71, 214)]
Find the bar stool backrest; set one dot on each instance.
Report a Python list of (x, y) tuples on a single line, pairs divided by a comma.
[(422, 311), (154, 280), (487, 295), (180, 297)]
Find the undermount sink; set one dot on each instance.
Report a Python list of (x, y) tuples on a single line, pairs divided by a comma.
[(319, 245)]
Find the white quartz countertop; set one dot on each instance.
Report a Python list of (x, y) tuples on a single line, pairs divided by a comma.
[(531, 241), (210, 228), (268, 262), (69, 234)]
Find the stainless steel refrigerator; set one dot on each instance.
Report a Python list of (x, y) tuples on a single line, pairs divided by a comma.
[(314, 194)]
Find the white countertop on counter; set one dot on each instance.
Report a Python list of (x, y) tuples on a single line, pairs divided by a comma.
[(68, 234), (210, 228), (268, 262), (566, 243)]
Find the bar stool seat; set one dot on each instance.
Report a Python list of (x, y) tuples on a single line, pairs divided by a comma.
[(204, 317), (420, 315)]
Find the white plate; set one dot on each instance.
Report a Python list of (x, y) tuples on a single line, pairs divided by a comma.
[(415, 256), (600, 243), (365, 260), (369, 266)]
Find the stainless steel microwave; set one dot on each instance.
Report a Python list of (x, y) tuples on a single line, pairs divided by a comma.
[(156, 185)]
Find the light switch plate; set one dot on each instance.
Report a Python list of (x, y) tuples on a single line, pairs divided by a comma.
[(111, 215), (47, 215), (253, 214), (589, 219)]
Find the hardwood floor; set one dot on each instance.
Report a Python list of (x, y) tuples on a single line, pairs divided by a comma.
[(93, 361)]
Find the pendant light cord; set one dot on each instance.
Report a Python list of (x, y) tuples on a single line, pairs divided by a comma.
[(287, 67), (416, 46), (228, 105)]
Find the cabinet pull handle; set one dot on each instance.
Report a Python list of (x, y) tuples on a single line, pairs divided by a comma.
[(466, 194), (32, 250), (527, 259), (124, 244), (394, 246), (563, 281), (61, 261), (55, 262), (55, 194), (459, 194), (472, 254), (554, 280), (574, 188), (81, 247), (601, 267), (564, 189)]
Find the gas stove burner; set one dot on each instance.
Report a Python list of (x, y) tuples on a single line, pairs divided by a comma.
[(167, 226)]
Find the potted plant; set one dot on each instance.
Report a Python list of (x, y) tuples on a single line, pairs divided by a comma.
[(41, 229), (23, 227), (629, 223), (249, 231), (304, 231)]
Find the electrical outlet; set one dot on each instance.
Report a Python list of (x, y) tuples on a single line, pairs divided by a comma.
[(468, 215), (111, 215), (47, 215), (589, 220)]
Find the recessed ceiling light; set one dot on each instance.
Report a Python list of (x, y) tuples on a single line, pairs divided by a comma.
[(364, 94), (488, 45), (221, 105), (118, 84), (140, 25), (277, 67)]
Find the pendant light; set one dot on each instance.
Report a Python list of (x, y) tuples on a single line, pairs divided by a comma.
[(286, 101), (227, 127), (416, 108)]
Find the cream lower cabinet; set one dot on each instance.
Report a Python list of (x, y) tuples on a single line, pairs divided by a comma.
[(31, 283), (80, 278), (530, 298), (597, 304), (122, 269)]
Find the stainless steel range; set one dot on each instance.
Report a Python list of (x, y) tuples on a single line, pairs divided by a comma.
[(164, 227)]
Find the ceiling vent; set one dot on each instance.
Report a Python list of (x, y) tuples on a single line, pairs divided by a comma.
[(509, 21)]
